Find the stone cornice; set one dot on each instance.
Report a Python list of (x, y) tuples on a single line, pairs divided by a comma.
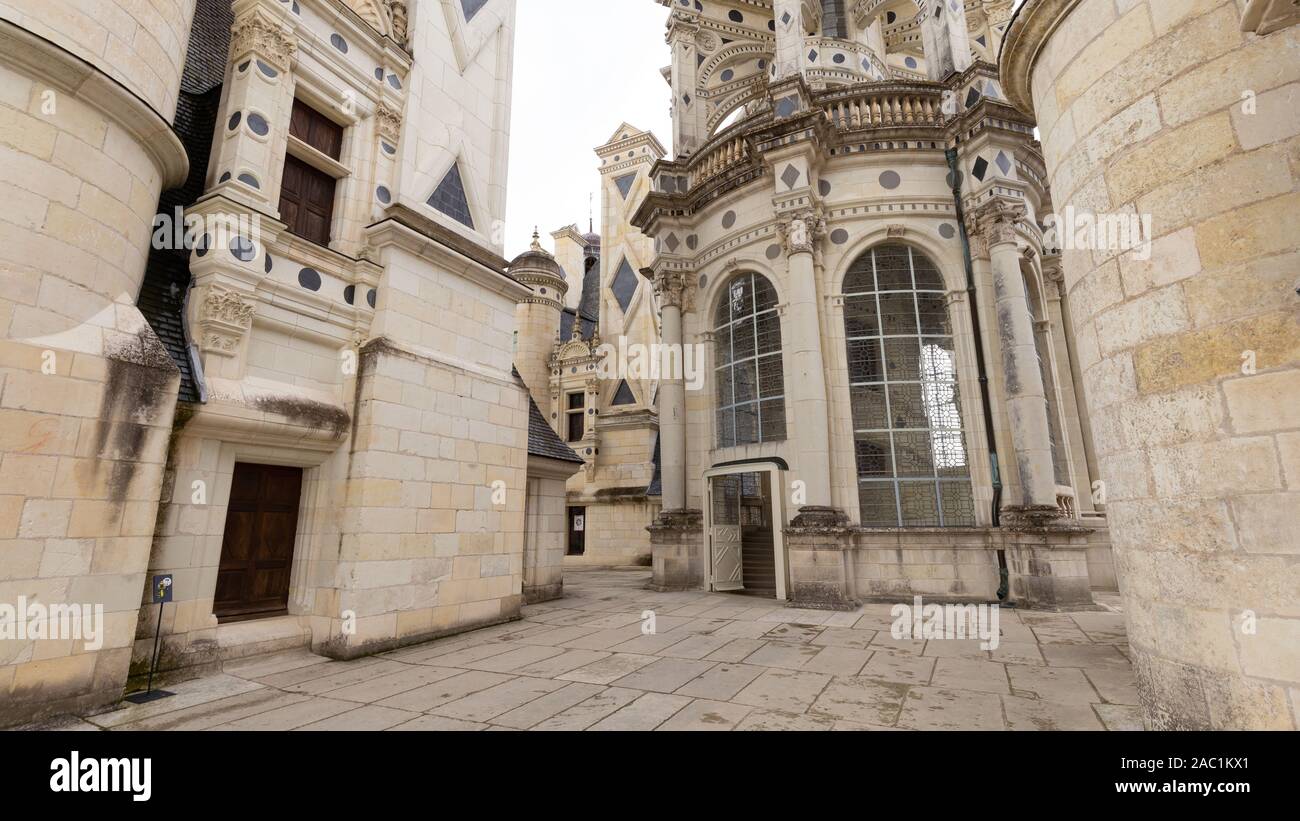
[(59, 67), (1026, 35)]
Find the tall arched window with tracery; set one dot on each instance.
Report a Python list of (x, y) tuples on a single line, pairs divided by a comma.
[(913, 466), (750, 395)]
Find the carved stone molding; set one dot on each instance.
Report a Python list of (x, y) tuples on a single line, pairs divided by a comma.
[(670, 288), (801, 233), (258, 33), (388, 17), (388, 122), (998, 222), (224, 319)]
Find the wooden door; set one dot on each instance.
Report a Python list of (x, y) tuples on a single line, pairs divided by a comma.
[(577, 531), (257, 550)]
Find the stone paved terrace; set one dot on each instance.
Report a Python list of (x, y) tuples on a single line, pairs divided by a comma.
[(718, 662)]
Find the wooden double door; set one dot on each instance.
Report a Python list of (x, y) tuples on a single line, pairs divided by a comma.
[(257, 549)]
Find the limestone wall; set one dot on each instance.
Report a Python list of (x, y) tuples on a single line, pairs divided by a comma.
[(86, 390), (1191, 358)]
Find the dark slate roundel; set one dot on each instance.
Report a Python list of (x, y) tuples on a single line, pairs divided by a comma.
[(339, 43), (379, 73), (242, 249), (269, 264), (728, 75), (839, 236), (309, 278), (390, 150), (838, 58), (372, 297), (736, 17), (728, 219), (258, 124), (890, 180), (773, 251), (383, 195), (947, 231), (225, 177), (910, 62), (267, 70), (704, 280), (394, 82), (202, 248), (693, 242), (243, 66), (824, 187), (953, 182), (249, 180), (235, 120), (350, 294)]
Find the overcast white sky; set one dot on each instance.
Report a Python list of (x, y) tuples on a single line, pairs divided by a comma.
[(582, 67)]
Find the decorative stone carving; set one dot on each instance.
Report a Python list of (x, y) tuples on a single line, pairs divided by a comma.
[(801, 233), (670, 288), (259, 34), (707, 41), (224, 320), (388, 122), (388, 17), (999, 222)]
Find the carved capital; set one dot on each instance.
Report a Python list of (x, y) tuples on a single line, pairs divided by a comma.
[(801, 233), (999, 222), (388, 122), (258, 33), (670, 288)]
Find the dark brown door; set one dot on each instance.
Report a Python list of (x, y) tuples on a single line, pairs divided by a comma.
[(577, 531), (307, 200), (257, 551)]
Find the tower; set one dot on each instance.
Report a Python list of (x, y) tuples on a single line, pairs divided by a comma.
[(537, 317)]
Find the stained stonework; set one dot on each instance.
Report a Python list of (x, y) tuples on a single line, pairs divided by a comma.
[(1190, 346)]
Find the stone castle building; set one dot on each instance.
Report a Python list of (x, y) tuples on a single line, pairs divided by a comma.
[(919, 382), (306, 415), (257, 334)]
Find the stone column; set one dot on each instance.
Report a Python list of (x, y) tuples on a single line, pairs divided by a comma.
[(789, 38), (259, 94), (946, 41), (669, 286), (805, 377), (688, 111), (1167, 114), (1026, 396)]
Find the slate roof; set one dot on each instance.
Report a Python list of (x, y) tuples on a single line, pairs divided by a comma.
[(167, 272), (542, 439)]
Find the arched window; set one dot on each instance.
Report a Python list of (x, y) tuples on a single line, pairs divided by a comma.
[(913, 469), (747, 364)]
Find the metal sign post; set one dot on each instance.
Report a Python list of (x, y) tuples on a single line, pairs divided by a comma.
[(162, 593)]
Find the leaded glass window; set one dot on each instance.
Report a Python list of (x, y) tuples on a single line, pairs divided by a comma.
[(913, 468), (747, 364)]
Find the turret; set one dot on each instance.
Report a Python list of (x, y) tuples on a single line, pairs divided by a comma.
[(537, 317)]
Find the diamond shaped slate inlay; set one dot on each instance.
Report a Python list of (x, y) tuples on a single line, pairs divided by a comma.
[(786, 106), (1003, 162), (450, 199), (981, 168), (624, 285), (624, 395), (624, 184), (472, 7), (672, 242), (790, 176), (972, 96)]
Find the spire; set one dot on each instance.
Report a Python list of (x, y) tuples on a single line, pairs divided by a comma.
[(537, 244)]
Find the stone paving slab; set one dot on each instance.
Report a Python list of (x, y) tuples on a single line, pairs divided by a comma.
[(714, 662)]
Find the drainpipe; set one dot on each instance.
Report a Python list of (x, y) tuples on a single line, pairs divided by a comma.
[(981, 365)]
